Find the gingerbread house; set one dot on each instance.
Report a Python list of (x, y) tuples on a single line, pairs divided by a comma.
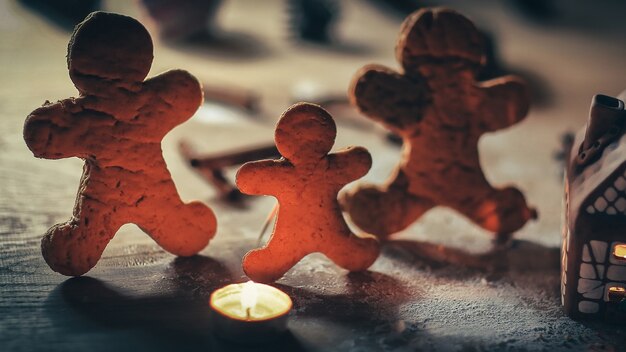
[(593, 256)]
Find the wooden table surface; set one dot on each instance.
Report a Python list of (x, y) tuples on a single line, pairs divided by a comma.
[(139, 297)]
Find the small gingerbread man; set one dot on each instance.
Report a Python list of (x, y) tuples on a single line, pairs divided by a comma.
[(440, 111), (116, 125), (306, 182)]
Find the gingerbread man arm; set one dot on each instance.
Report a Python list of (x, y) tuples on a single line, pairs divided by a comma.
[(263, 177), (176, 96), (51, 131), (349, 164), (404, 97), (504, 102)]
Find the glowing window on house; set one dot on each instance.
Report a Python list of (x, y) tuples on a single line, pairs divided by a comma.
[(619, 251), (616, 294)]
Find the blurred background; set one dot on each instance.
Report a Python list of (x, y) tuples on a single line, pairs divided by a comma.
[(255, 59)]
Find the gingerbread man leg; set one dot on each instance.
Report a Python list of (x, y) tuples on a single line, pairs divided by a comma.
[(73, 248), (383, 211), (177, 232), (502, 211), (271, 262), (352, 252)]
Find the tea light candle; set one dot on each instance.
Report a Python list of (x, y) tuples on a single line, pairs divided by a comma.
[(249, 312)]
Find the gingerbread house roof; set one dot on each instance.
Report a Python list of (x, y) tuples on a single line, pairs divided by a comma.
[(588, 191)]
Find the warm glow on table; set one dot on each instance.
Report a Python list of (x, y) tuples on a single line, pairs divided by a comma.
[(250, 301), (249, 313)]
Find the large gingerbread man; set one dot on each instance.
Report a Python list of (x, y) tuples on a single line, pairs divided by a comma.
[(116, 125), (306, 182), (440, 111)]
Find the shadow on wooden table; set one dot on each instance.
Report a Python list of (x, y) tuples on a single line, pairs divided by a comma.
[(173, 314), (365, 313), (518, 262), (370, 298)]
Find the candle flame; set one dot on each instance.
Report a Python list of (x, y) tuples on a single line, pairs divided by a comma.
[(249, 295)]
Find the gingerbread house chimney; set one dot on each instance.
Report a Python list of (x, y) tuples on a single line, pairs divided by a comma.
[(606, 120)]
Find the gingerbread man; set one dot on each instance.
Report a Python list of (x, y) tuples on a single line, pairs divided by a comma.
[(116, 125), (440, 111), (306, 182)]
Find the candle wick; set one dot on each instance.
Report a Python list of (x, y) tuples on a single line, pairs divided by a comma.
[(248, 313)]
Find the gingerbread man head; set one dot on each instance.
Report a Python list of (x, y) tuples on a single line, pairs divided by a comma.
[(306, 134), (426, 35), (109, 47)]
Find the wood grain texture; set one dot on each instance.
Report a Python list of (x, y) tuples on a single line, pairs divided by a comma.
[(139, 297)]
